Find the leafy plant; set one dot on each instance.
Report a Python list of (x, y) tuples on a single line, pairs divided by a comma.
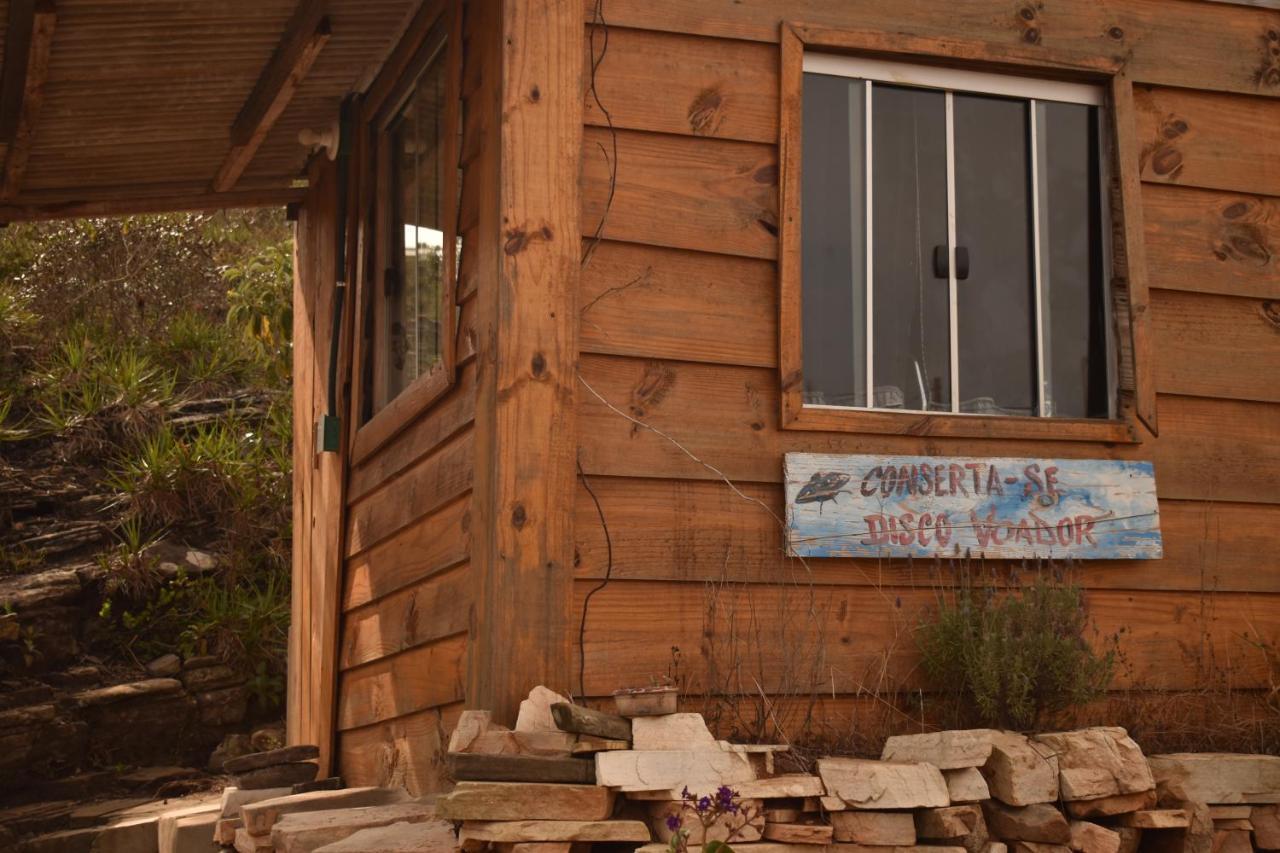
[(128, 566), (1015, 658)]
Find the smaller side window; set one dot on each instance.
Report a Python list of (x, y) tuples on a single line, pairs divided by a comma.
[(414, 247)]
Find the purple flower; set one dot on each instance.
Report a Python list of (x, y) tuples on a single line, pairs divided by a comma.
[(674, 822), (704, 804), (724, 799)]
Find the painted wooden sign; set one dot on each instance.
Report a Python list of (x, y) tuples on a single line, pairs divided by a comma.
[(998, 508)]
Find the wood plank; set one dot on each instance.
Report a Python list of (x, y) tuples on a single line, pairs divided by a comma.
[(38, 45), (789, 639), (710, 87), (436, 542), (1216, 49), (1189, 330), (728, 416), (695, 531), (471, 767), (19, 28), (423, 613), (588, 721), (526, 436), (165, 198), (1133, 251), (712, 195), (304, 37), (442, 477), (405, 752), (424, 677), (447, 417), (637, 300), (1202, 139), (1212, 242)]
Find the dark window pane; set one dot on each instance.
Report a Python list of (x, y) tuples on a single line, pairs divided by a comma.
[(911, 351), (995, 305), (1073, 291), (833, 299)]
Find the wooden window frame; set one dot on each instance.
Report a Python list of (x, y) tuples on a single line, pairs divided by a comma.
[(387, 94), (1128, 253)]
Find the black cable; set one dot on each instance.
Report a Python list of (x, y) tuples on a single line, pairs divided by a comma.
[(586, 602)]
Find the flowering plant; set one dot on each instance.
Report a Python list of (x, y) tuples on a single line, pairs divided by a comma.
[(722, 809)]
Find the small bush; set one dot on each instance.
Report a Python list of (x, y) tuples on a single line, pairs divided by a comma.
[(1013, 659)]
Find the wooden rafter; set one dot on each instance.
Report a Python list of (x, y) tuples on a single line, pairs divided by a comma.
[(28, 43), (305, 35)]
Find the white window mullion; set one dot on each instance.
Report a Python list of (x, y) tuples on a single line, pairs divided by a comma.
[(867, 161), (1042, 390), (951, 256)]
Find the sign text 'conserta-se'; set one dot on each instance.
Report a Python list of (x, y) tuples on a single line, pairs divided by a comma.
[(924, 506)]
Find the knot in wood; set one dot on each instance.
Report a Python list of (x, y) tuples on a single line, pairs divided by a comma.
[(518, 517), (538, 365), (1116, 33)]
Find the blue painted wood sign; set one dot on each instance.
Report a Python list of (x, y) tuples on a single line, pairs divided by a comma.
[(997, 508)]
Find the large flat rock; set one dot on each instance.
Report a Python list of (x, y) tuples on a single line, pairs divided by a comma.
[(701, 771), (672, 732), (260, 816), (883, 785), (303, 832), (1020, 772), (1098, 762), (525, 801), (430, 837), (1039, 822), (947, 750), (509, 832), (785, 787), (1217, 777)]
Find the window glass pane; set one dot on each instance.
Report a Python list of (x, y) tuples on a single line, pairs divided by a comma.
[(833, 299), (910, 302), (417, 233), (995, 313), (1072, 287)]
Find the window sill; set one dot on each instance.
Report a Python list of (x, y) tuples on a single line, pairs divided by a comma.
[(832, 419), (419, 396)]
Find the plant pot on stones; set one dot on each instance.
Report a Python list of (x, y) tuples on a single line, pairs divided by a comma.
[(646, 701)]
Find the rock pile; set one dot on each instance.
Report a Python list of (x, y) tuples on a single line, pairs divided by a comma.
[(975, 791)]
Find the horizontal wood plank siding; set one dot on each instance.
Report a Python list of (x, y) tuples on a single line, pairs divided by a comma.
[(680, 331), (405, 752)]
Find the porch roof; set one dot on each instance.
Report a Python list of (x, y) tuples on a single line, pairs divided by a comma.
[(117, 106)]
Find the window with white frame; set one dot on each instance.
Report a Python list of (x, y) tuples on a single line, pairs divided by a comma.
[(954, 239)]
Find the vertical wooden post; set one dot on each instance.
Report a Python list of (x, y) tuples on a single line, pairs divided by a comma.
[(522, 546)]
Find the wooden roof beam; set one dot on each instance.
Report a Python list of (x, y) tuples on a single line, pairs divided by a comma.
[(305, 35), (28, 43)]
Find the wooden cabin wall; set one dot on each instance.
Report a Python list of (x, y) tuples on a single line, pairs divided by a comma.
[(679, 328), (408, 585), (317, 478)]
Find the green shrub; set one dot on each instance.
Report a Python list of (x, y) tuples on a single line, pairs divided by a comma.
[(1013, 659)]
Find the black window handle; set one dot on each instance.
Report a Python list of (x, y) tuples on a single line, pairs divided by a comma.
[(942, 262)]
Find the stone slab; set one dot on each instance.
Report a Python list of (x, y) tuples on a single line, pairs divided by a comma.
[(1266, 827), (672, 732), (947, 750), (525, 801), (699, 770), (1039, 822), (1020, 772), (1232, 841), (1089, 837), (790, 786), (189, 833), (1156, 819), (277, 776), (875, 828), (1108, 806), (430, 837), (799, 833), (1098, 762), (966, 785), (880, 785), (779, 847), (246, 843), (1217, 778), (270, 758), (951, 822), (259, 817), (554, 830), (535, 711), (234, 798), (303, 832)]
